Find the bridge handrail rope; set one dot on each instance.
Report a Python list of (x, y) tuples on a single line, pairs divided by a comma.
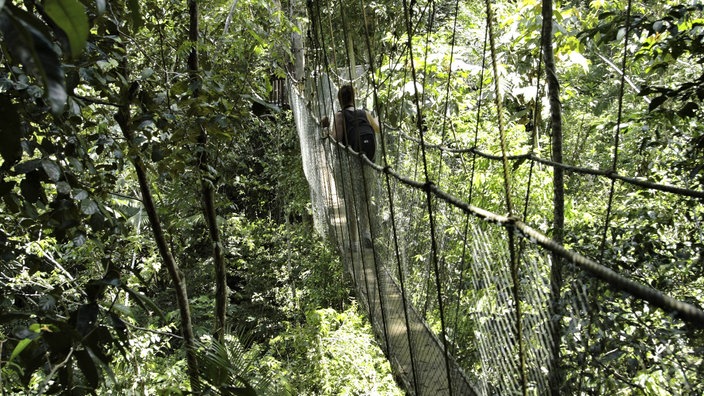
[(685, 311), (397, 254), (611, 174), (352, 70)]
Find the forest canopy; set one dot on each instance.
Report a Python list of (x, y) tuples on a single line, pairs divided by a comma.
[(156, 229)]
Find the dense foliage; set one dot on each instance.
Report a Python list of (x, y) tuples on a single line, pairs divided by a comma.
[(105, 117), (112, 137)]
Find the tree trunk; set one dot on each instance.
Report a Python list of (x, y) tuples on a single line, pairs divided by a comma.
[(299, 63), (558, 191), (124, 121), (208, 185)]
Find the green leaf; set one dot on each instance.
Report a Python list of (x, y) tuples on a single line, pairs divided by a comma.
[(100, 5), (658, 26), (135, 14), (246, 390), (19, 348), (89, 207), (71, 17), (27, 40), (10, 133), (87, 366), (85, 317), (656, 102), (31, 188), (52, 170), (144, 301), (688, 110), (98, 357)]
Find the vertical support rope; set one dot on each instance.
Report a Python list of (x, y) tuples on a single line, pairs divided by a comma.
[(507, 191), (365, 182), (614, 163), (617, 135), (499, 107), (340, 158), (352, 64), (348, 160), (429, 197), (397, 253), (471, 177)]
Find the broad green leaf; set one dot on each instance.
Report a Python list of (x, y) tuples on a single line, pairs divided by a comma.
[(96, 356), (656, 102), (71, 17), (86, 316), (146, 73), (88, 367), (52, 170), (31, 188), (88, 207), (688, 110), (26, 40), (10, 133), (100, 5), (122, 309)]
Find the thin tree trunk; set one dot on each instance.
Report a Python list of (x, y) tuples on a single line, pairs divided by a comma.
[(208, 185), (124, 121), (558, 191), (297, 47)]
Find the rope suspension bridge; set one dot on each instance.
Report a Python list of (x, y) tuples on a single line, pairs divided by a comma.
[(465, 300)]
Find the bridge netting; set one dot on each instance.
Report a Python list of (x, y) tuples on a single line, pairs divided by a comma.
[(492, 317), (466, 300)]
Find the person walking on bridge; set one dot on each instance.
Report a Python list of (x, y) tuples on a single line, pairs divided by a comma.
[(356, 128)]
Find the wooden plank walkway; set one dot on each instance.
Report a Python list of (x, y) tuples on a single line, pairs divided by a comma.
[(400, 330)]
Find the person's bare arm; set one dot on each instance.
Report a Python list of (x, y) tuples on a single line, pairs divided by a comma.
[(373, 122)]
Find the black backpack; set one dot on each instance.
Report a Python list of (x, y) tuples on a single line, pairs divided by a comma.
[(359, 133)]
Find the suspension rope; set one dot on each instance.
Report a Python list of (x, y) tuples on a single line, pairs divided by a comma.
[(614, 163), (323, 110), (534, 135), (349, 195), (471, 176), (639, 182), (683, 310), (594, 306), (447, 86), (367, 194), (507, 192), (429, 200), (404, 298)]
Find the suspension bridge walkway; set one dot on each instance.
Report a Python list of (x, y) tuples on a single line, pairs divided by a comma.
[(416, 354), (401, 329), (467, 301), (469, 310)]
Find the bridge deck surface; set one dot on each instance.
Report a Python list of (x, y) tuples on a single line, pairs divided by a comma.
[(416, 354)]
